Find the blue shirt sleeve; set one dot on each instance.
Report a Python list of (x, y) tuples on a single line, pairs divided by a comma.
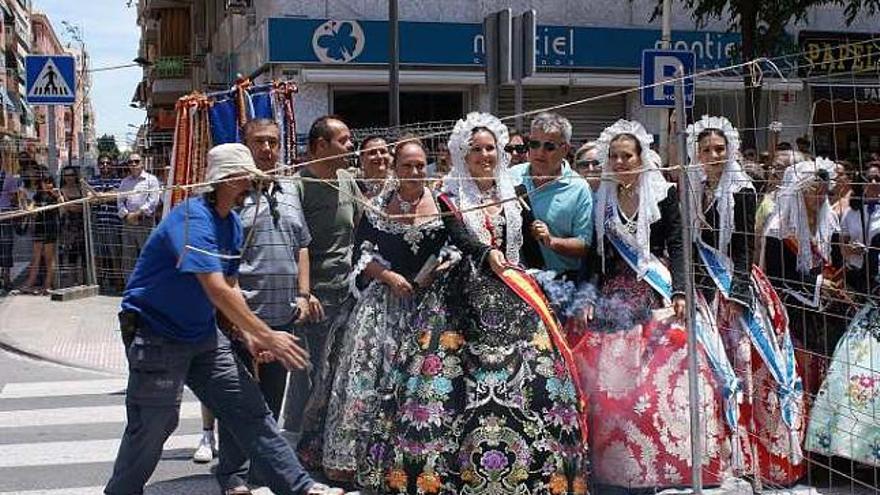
[(236, 246), (582, 221), (193, 238)]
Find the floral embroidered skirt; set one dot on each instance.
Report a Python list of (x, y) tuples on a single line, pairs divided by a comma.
[(634, 368), (479, 401), (369, 344), (845, 420)]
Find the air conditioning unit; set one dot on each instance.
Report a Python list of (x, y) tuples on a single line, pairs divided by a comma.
[(238, 6)]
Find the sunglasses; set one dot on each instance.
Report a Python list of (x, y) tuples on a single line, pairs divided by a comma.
[(104, 163), (516, 148), (134, 161), (587, 163), (549, 146)]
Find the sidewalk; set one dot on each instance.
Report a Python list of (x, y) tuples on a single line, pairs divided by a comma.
[(82, 333)]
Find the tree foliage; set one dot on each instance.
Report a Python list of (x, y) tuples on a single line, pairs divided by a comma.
[(107, 146), (763, 23)]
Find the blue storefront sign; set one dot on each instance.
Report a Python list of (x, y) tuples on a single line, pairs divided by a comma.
[(462, 44)]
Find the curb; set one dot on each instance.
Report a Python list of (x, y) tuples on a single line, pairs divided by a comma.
[(9, 345)]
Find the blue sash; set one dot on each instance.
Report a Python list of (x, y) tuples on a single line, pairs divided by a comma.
[(731, 388), (652, 270), (781, 363), (779, 360), (718, 266)]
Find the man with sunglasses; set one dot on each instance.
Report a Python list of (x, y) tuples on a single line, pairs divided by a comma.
[(136, 206), (517, 147), (561, 201)]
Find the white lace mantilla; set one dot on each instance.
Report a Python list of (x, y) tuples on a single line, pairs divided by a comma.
[(790, 217), (733, 179), (460, 185), (652, 187)]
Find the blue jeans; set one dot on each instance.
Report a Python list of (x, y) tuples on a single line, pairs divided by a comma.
[(158, 369), (232, 470)]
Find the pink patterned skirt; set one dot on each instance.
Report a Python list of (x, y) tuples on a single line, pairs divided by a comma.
[(633, 365)]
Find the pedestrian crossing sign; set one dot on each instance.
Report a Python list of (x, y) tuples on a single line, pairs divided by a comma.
[(51, 79)]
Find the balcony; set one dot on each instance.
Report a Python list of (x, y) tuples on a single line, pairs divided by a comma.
[(172, 67)]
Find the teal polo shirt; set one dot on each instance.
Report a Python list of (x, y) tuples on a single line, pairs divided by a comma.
[(565, 205)]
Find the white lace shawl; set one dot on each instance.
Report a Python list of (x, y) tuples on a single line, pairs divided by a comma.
[(460, 185), (733, 179), (789, 218), (653, 187)]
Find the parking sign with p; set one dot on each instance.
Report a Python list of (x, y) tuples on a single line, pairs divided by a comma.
[(659, 68)]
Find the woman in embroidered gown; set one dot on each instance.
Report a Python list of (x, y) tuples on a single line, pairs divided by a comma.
[(393, 241), (723, 207), (802, 259), (843, 421), (632, 359), (481, 397)]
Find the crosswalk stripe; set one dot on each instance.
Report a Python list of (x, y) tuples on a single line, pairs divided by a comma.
[(89, 490), (79, 452), (80, 415), (25, 390), (99, 490)]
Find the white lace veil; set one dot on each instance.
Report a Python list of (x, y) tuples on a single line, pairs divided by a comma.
[(653, 187), (462, 188), (733, 178), (789, 218)]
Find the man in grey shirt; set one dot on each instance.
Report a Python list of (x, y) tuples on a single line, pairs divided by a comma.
[(274, 279)]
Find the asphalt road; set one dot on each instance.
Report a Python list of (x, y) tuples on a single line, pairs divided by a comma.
[(60, 429)]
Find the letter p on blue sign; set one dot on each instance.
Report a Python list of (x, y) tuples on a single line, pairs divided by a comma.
[(659, 68)]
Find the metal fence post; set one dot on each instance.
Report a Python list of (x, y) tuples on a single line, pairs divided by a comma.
[(90, 275), (693, 363)]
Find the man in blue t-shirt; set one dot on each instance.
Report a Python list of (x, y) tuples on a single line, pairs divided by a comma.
[(186, 271), (560, 199)]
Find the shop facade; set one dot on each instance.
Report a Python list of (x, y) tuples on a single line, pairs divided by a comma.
[(588, 51), (842, 73)]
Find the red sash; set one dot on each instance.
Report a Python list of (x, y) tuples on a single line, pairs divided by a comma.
[(523, 285)]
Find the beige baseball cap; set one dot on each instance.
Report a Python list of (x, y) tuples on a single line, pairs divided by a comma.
[(230, 159)]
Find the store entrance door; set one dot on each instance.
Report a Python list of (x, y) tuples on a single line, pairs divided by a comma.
[(366, 109)]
